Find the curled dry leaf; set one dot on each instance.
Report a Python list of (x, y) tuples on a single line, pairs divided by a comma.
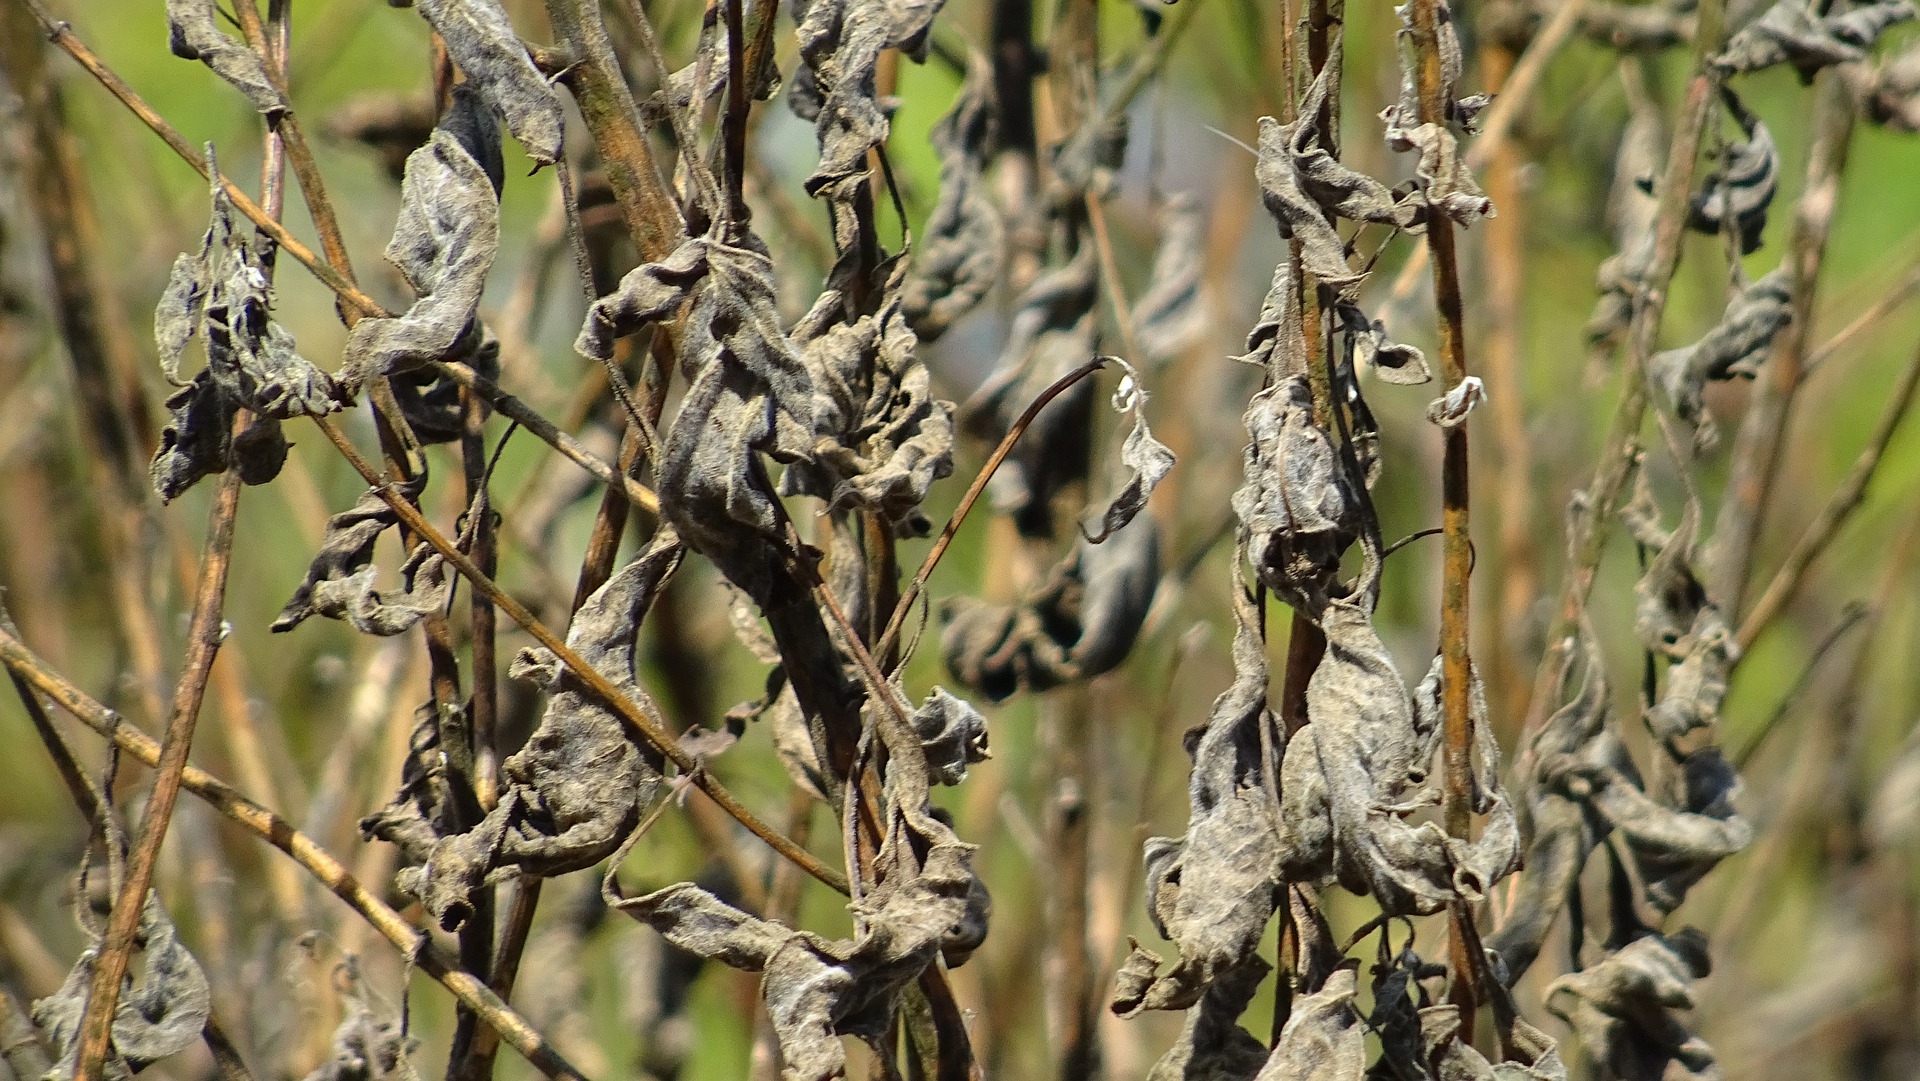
[(481, 41), (370, 1043), (1212, 1045), (1171, 316), (1081, 621), (1626, 1009), (341, 578), (963, 250), (1735, 346), (193, 33), (1790, 32), (1889, 95), (1451, 410), (1740, 189), (1278, 340), (1403, 116), (1631, 211), (840, 44), (1146, 460), (1444, 179), (1639, 28), (575, 791), (1325, 1038), (953, 733), (160, 1016), (1052, 333), (1393, 362), (444, 243), (1298, 512)]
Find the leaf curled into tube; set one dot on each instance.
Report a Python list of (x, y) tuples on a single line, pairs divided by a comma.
[(1735, 347), (1146, 459), (482, 41), (1741, 188)]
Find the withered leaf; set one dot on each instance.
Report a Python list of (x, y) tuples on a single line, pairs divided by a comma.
[(963, 250), (1445, 182), (1325, 1038), (369, 1044), (434, 403), (1052, 333), (575, 791), (1297, 511), (1171, 316), (1212, 1045), (193, 33), (1451, 410), (953, 733), (1741, 187), (1630, 214), (1146, 459), (1639, 28), (482, 42), (1393, 362), (1278, 340), (1081, 621), (1626, 1009), (1735, 346), (340, 580), (444, 243), (648, 294), (840, 43), (160, 1016), (1889, 95), (1214, 893), (1403, 117), (1790, 32), (196, 440)]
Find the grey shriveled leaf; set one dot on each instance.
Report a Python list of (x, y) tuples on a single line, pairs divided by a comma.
[(840, 44), (1403, 365), (575, 791), (1741, 187), (1403, 117), (1215, 893), (196, 440), (160, 1016), (1735, 346), (1631, 211), (1639, 28), (482, 42), (648, 294), (1278, 340), (1626, 1009), (1297, 511), (370, 1043), (1146, 459), (959, 257), (444, 242), (1445, 181), (1081, 621), (341, 578), (1451, 410), (1171, 316), (954, 734), (193, 32), (1212, 1045), (1889, 95), (1325, 1038), (1052, 333), (1790, 32)]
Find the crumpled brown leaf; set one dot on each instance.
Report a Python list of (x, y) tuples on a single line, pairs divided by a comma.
[(482, 42), (1625, 1009), (1393, 362), (840, 44), (193, 33), (1081, 621), (1790, 32), (575, 791), (880, 438), (1278, 340), (1147, 462), (1741, 186), (1735, 346), (1052, 333), (444, 243), (1171, 316), (341, 578), (1213, 891), (953, 733), (1298, 511), (160, 1016), (368, 1045), (960, 256)]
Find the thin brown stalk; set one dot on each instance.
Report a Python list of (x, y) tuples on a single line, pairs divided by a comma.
[(1457, 544), (630, 713), (204, 635), (20, 1043), (280, 833), (1763, 431), (1839, 507), (1872, 316)]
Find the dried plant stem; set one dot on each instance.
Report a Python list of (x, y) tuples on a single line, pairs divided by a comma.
[(1457, 545), (20, 1043), (629, 712), (1825, 525), (1872, 316), (1594, 520), (203, 640), (280, 833), (1763, 431)]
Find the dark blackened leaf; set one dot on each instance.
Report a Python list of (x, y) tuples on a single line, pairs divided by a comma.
[(1627, 1009), (960, 257), (160, 1016), (370, 1043), (1052, 333), (444, 243), (193, 31), (1734, 347), (1278, 340), (880, 437), (1741, 188), (224, 294), (1216, 894), (481, 41), (1080, 622), (1393, 362), (1792, 33), (1171, 316), (1297, 511), (575, 791), (196, 439), (1146, 459), (340, 580), (953, 733)]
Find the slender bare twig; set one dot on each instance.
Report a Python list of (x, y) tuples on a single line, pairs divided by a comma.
[(278, 832)]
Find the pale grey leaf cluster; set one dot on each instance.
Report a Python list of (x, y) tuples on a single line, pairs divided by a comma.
[(160, 1016)]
